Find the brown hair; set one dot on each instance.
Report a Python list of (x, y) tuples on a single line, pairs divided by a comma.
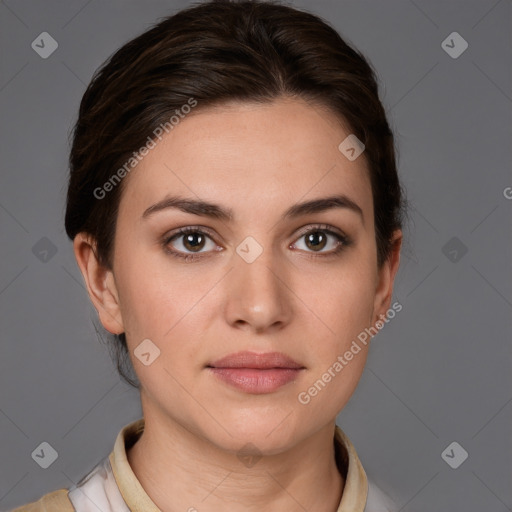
[(216, 52)]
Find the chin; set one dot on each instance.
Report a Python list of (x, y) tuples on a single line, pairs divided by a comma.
[(270, 432)]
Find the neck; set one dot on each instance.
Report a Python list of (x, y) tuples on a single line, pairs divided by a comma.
[(182, 471)]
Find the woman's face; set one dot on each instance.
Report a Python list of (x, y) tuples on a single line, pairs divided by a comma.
[(271, 277)]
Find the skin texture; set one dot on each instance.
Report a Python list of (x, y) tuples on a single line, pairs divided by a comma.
[(258, 160)]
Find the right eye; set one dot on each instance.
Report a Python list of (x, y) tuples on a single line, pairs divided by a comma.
[(189, 242)]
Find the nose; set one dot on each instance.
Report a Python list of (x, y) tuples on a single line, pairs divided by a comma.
[(258, 298)]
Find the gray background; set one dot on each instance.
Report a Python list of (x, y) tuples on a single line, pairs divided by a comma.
[(439, 372)]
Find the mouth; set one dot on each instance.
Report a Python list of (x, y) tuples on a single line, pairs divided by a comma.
[(255, 373)]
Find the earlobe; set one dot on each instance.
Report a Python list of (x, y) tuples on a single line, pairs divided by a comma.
[(386, 278), (99, 282)]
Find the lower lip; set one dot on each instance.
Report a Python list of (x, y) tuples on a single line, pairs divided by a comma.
[(257, 381)]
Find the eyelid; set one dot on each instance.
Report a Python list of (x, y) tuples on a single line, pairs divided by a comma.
[(320, 227), (188, 229)]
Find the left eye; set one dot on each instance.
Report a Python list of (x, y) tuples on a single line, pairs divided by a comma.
[(317, 239)]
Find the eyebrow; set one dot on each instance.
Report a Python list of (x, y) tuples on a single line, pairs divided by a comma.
[(207, 209)]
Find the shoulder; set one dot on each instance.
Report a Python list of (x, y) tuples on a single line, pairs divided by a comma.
[(56, 501)]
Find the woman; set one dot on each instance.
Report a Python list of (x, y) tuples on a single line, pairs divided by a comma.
[(235, 212)]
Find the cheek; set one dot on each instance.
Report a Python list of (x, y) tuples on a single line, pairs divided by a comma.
[(342, 306), (339, 344), (354, 311), (154, 297), (163, 310)]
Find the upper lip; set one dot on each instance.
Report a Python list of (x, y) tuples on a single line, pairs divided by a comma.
[(254, 360)]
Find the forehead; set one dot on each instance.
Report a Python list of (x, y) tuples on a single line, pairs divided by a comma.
[(252, 155)]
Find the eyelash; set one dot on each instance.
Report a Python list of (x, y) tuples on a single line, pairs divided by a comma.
[(343, 241)]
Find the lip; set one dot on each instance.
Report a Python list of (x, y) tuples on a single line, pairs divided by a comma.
[(257, 361), (255, 373)]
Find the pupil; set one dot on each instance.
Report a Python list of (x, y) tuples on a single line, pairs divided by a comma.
[(189, 241), (316, 238)]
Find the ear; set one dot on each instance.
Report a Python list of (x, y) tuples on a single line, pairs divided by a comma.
[(386, 278), (99, 282)]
